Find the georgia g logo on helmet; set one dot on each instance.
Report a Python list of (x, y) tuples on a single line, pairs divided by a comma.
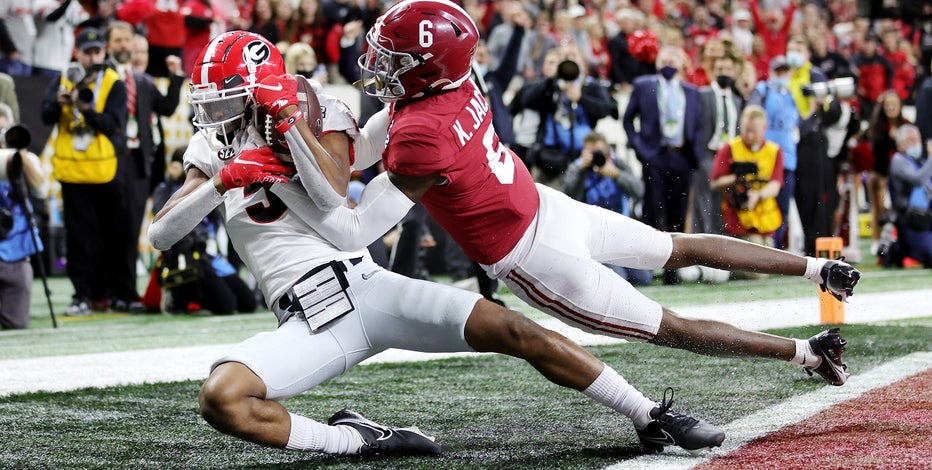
[(256, 53)]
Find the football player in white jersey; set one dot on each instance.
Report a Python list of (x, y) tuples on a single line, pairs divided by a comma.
[(334, 308)]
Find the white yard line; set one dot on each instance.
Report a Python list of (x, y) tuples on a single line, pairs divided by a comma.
[(60, 373), (740, 432)]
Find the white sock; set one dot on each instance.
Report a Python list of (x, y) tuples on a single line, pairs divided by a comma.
[(814, 269), (613, 391), (805, 356), (307, 434)]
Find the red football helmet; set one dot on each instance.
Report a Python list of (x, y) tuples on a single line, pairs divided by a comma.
[(225, 74), (418, 47)]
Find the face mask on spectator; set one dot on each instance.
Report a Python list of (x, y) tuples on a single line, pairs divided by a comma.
[(914, 151), (725, 82), (795, 59), (668, 72), (780, 82), (305, 73)]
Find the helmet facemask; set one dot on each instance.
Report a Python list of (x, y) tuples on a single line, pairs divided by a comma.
[(381, 70)]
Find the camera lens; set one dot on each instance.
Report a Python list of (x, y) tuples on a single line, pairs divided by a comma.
[(86, 95), (568, 71), (598, 158)]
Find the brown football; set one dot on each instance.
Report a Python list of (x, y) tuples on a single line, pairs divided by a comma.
[(310, 107)]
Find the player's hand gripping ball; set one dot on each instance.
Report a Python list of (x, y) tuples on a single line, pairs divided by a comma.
[(278, 92), (254, 166)]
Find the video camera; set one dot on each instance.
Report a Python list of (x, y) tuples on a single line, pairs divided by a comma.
[(839, 88)]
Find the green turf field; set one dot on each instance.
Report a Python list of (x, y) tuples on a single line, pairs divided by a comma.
[(486, 411)]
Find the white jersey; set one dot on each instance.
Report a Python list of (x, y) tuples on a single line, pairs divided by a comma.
[(276, 246)]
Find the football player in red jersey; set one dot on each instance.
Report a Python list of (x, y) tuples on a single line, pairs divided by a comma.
[(441, 150), (336, 308)]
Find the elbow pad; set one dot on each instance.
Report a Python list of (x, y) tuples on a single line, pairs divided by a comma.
[(381, 206), (181, 219)]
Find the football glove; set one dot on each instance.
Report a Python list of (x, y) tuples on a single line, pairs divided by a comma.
[(277, 93), (839, 278), (254, 166)]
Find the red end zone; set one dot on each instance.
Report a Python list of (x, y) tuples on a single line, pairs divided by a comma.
[(890, 427)]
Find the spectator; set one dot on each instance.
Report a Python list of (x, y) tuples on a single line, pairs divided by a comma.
[(911, 190), (668, 142), (55, 25), (537, 43), (166, 32), (263, 21), (885, 120), (600, 178), (8, 95), (88, 106), (284, 18), (741, 31), (750, 172), (721, 107), (144, 103), (497, 78), (899, 53), (773, 27), (815, 193), (624, 67), (832, 63), (570, 104), (200, 26), (301, 60), (775, 97), (310, 28), (17, 244), (18, 16), (875, 74)]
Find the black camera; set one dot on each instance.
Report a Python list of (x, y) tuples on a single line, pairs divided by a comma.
[(744, 172), (568, 71), (598, 158)]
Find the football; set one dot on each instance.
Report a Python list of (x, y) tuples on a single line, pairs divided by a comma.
[(309, 106)]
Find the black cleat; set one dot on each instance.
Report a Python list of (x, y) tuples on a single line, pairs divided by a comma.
[(384, 440), (829, 345), (839, 278), (670, 428)]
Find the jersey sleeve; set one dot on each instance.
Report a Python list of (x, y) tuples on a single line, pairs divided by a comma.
[(200, 156), (416, 150)]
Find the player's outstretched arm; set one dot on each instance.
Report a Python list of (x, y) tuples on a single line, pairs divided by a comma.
[(381, 206), (196, 198)]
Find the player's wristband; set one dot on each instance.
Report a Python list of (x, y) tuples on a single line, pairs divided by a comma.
[(289, 121)]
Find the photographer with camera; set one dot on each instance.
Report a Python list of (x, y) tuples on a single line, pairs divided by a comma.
[(88, 106), (911, 190), (20, 177), (570, 104), (749, 171), (600, 178)]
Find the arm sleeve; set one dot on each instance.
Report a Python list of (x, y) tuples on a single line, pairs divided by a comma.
[(371, 141), (627, 181), (181, 219), (380, 208), (310, 174)]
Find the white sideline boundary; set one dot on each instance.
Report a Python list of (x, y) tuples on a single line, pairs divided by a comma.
[(62, 373), (740, 432)]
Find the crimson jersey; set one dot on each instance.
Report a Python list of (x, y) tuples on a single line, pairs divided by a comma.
[(490, 198)]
